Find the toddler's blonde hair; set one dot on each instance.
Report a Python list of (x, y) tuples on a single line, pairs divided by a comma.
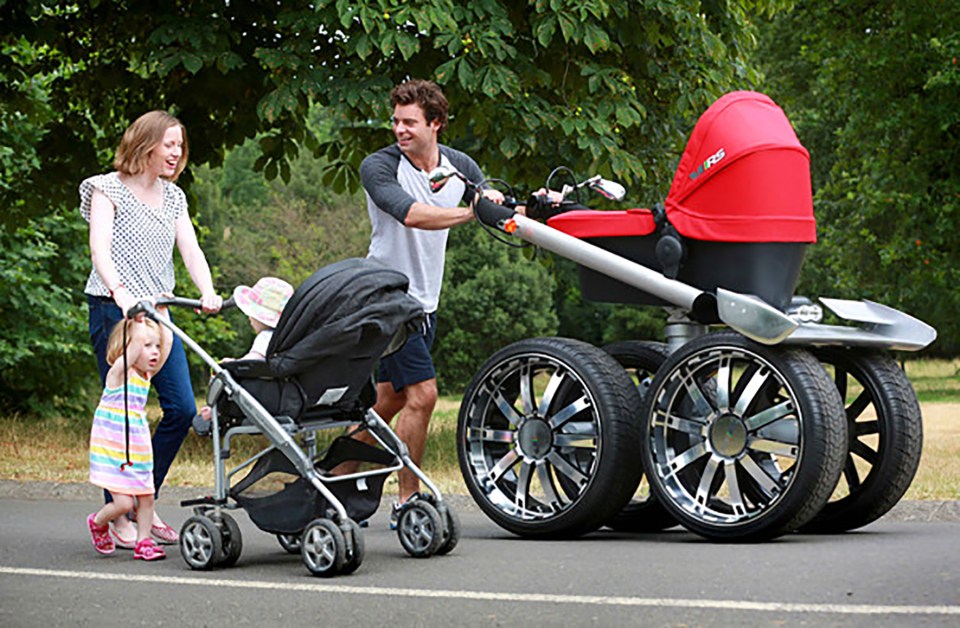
[(115, 342)]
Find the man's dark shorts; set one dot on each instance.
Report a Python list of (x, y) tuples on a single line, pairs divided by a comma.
[(412, 364)]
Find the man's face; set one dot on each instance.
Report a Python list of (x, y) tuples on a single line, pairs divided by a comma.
[(414, 134)]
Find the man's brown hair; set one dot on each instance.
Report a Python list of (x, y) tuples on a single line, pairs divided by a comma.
[(427, 94)]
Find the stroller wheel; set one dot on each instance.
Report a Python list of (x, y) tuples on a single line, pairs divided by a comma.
[(885, 436), (289, 542), (200, 543), (323, 548), (420, 528), (742, 442), (643, 513), (547, 438), (357, 549), (231, 541), (451, 531)]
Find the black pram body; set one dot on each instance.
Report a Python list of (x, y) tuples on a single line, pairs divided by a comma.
[(331, 333)]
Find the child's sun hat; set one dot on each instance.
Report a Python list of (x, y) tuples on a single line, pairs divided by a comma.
[(265, 300)]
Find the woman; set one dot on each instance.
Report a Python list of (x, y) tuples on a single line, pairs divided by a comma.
[(137, 213)]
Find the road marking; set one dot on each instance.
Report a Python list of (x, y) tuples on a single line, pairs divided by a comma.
[(492, 596)]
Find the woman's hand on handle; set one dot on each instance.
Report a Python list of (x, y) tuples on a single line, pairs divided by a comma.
[(211, 303)]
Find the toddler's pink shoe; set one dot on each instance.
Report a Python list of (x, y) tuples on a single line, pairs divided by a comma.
[(146, 549), (100, 535)]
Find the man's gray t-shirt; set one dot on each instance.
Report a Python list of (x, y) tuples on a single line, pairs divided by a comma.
[(392, 184)]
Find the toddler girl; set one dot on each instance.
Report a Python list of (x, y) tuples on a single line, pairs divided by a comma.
[(121, 455)]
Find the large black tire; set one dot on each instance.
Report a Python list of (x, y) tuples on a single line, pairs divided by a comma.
[(643, 513), (885, 437), (547, 440), (743, 442)]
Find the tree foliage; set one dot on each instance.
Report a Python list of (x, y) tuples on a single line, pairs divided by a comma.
[(600, 85), (874, 90)]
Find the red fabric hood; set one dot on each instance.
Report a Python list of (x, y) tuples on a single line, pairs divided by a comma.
[(744, 176)]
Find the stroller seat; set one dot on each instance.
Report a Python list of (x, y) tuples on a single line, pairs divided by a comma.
[(336, 326)]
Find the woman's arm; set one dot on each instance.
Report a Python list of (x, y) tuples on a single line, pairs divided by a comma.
[(166, 336), (101, 235), (196, 263)]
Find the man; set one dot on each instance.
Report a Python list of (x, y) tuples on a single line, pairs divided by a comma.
[(409, 232)]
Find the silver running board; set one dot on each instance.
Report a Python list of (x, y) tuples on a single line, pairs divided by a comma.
[(881, 327)]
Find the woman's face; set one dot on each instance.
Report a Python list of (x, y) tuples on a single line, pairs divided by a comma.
[(166, 155)]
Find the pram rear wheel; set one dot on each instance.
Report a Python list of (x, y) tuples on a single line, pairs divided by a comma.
[(885, 437), (200, 543), (231, 541), (743, 442), (323, 548), (289, 542), (357, 549), (420, 528), (643, 513), (547, 438)]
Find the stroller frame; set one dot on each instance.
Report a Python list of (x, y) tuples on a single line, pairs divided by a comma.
[(331, 544)]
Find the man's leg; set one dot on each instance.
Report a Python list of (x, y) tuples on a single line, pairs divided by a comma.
[(412, 429)]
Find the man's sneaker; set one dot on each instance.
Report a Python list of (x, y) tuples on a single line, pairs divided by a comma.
[(395, 515)]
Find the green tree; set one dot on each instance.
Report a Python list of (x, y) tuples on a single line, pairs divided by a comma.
[(874, 91)]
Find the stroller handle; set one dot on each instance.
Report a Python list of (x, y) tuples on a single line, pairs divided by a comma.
[(146, 306)]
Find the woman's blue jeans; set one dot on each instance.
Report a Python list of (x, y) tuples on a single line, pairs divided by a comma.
[(172, 384)]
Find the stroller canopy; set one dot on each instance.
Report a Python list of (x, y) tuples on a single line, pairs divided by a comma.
[(342, 317), (744, 176)]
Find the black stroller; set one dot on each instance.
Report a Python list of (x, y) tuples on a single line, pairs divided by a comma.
[(317, 376)]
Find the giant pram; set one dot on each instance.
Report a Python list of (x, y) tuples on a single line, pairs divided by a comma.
[(317, 376)]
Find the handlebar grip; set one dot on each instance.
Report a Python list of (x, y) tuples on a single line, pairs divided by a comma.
[(490, 213)]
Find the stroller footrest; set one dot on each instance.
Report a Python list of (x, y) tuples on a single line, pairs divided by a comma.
[(209, 500)]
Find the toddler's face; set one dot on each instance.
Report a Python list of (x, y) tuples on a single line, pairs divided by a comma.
[(149, 358), (257, 325)]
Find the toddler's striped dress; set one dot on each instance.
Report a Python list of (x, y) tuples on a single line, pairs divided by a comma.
[(108, 449)]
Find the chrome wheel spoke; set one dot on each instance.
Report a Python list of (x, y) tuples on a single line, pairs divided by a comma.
[(504, 465), (507, 409), (526, 390), (746, 398), (551, 390), (771, 414), (688, 457), (491, 435), (733, 487), (765, 445), (568, 412), (546, 483), (706, 480), (767, 484), (581, 441), (723, 384), (523, 485), (565, 468)]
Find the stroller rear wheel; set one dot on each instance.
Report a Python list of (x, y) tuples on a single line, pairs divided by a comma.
[(743, 442), (323, 548), (643, 513), (885, 433), (420, 528), (547, 439), (200, 543)]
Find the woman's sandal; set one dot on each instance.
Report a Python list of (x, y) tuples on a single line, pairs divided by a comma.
[(148, 550), (121, 542), (164, 534), (100, 535)]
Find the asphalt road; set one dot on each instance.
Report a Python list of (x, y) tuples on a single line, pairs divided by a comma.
[(898, 571)]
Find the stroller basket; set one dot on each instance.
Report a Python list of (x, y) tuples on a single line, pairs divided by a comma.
[(289, 510)]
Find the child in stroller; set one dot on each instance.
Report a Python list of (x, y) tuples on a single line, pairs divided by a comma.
[(263, 304), (317, 375)]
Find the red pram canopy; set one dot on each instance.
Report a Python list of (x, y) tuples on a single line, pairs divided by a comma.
[(744, 176)]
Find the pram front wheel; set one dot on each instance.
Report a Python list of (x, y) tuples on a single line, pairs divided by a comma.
[(743, 442), (289, 542), (643, 513), (230, 539), (885, 437), (451, 531), (323, 548), (200, 543), (356, 550), (420, 528), (547, 440)]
